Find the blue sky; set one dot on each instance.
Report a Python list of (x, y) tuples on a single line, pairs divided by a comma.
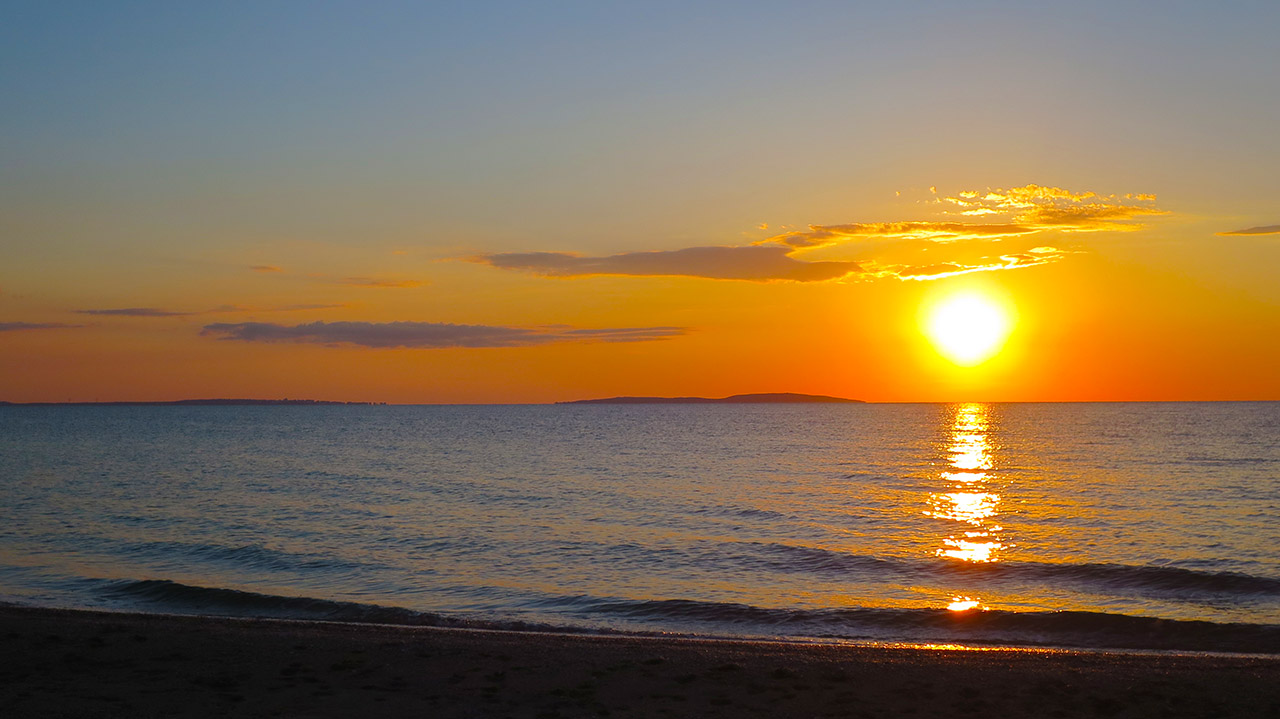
[(150, 148)]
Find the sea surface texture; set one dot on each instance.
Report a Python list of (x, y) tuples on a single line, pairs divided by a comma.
[(1078, 525)]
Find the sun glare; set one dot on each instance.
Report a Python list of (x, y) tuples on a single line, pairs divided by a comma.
[(968, 328)]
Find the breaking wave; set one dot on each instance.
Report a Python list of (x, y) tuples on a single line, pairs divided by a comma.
[(584, 613)]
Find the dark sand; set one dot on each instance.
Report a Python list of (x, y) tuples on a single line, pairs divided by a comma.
[(86, 664)]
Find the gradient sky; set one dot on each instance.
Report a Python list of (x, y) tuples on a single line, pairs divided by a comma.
[(519, 202)]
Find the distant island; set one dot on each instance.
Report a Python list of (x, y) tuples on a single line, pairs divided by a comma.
[(763, 398), (190, 403)]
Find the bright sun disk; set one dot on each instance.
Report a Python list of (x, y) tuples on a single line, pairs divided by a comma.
[(968, 329)]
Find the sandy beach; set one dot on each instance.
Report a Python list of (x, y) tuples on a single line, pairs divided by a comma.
[(91, 664)]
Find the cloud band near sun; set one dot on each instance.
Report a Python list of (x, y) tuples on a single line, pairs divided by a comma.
[(1022, 211), (1019, 212), (823, 235), (1031, 258), (428, 335)]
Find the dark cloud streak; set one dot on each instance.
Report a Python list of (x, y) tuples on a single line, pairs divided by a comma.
[(752, 262), (379, 283), (136, 312), (1264, 230), (428, 335), (19, 326)]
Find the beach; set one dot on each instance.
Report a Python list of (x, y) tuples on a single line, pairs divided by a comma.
[(100, 664)]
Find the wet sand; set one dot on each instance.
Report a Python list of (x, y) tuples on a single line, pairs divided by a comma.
[(88, 664)]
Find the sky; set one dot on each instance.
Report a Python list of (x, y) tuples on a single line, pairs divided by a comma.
[(537, 202)]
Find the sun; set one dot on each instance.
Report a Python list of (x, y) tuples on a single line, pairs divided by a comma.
[(968, 328)]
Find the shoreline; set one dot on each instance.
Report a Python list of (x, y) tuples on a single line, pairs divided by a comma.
[(526, 628), (99, 663)]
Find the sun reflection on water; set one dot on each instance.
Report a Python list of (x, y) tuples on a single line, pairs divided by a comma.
[(969, 500)]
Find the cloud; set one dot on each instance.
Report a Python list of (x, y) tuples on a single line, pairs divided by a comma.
[(760, 262), (136, 312), (300, 308), (1040, 208), (1264, 230), (18, 326), (219, 310), (375, 282), (1013, 213), (428, 335), (752, 262), (227, 309), (937, 271), (1028, 209), (822, 235)]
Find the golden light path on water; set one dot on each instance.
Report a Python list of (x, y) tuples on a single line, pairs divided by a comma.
[(969, 501)]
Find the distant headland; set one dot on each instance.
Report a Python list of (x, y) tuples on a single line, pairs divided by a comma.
[(764, 398), (190, 403)]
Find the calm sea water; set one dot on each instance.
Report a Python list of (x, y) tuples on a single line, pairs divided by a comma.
[(1100, 525)]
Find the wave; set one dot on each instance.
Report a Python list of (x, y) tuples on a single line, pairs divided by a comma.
[(744, 512), (1063, 628), (1123, 578), (178, 598), (1229, 461), (252, 557), (1158, 578), (1060, 629), (190, 599), (1165, 582)]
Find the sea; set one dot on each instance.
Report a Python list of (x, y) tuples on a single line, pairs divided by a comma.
[(1147, 526)]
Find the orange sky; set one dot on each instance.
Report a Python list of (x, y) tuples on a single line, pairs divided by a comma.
[(193, 211)]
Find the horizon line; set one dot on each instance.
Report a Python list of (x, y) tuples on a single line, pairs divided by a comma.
[(238, 401)]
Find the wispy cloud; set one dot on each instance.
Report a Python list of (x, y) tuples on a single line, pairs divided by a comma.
[(373, 282), (301, 308), (380, 283), (1022, 211), (19, 326), (429, 335), (988, 216), (1264, 230), (233, 309), (136, 312), (751, 262), (822, 235), (1053, 208), (937, 271), (219, 310)]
